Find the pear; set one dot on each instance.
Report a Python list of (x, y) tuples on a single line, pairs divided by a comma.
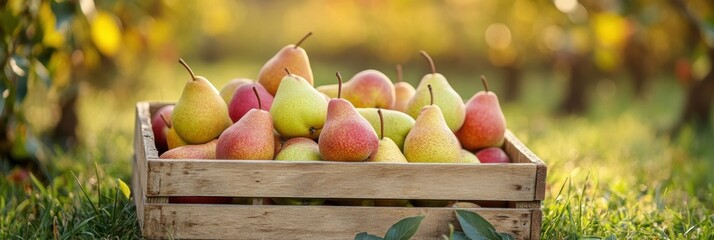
[(278, 142), (243, 100), (159, 127), (448, 100), (200, 114), (346, 136), (387, 151), (493, 155), (173, 140), (198, 151), (485, 125), (298, 109), (369, 88), (292, 57), (403, 91), (299, 149), (468, 157), (431, 140), (399, 123), (330, 90), (230, 88), (250, 138)]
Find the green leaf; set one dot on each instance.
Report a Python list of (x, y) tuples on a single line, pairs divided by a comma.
[(404, 229), (459, 236), (475, 226), (505, 236), (367, 236)]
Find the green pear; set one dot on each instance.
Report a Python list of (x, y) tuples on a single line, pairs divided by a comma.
[(448, 100), (468, 157), (200, 114), (198, 151), (346, 136), (298, 109), (403, 91), (173, 140), (292, 57), (485, 125), (431, 140), (250, 138), (399, 123), (387, 151), (299, 149), (230, 88)]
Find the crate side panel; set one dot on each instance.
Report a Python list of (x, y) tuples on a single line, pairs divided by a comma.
[(316, 222), (341, 180)]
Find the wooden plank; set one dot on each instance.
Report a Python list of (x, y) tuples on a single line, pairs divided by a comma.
[(242, 178), (190, 221), (536, 224), (519, 153)]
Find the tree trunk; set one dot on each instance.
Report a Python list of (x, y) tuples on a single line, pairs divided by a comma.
[(512, 83), (698, 106), (636, 63), (576, 100)]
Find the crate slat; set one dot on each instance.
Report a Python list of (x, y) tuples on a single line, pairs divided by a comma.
[(347, 180), (314, 222)]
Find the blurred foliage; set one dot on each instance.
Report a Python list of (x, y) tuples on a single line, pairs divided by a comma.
[(51, 51)]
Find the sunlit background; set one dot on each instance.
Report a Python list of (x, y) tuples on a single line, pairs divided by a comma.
[(591, 86)]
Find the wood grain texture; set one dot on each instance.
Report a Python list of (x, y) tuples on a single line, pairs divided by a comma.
[(506, 182), (313, 222), (519, 153), (536, 223)]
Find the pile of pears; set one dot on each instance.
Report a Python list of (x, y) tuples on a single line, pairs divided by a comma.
[(282, 116)]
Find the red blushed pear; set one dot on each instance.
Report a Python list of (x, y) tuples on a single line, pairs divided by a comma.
[(346, 136), (484, 125), (198, 151), (158, 126), (292, 57), (369, 88), (493, 155), (251, 138), (244, 100)]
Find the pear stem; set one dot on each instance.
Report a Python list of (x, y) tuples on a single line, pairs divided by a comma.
[(288, 71), (166, 120), (485, 83), (182, 62), (399, 72), (428, 58), (431, 95), (339, 84), (381, 124), (260, 104), (302, 39)]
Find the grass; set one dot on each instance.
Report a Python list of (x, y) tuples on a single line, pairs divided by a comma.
[(610, 173)]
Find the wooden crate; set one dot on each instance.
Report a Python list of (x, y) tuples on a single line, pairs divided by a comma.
[(521, 184)]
